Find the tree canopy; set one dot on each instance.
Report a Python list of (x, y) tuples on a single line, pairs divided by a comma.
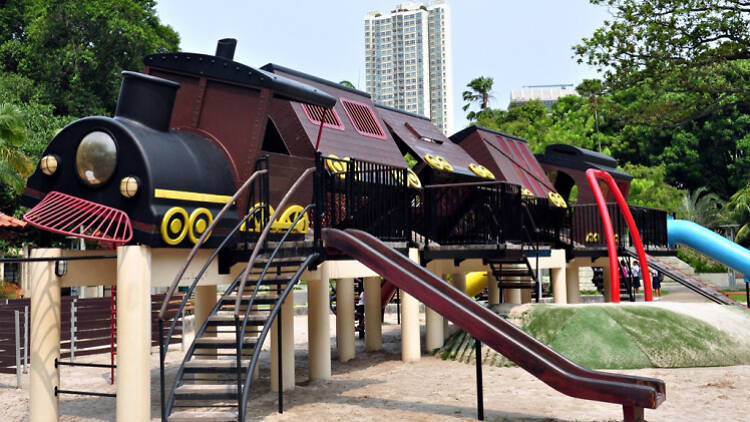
[(689, 58), (480, 92), (76, 50)]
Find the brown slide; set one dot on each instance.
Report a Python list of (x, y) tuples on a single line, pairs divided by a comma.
[(633, 393)]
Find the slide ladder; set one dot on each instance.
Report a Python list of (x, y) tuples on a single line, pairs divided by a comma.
[(632, 393)]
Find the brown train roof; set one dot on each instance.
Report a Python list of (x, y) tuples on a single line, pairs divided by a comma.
[(411, 128), (507, 156), (345, 141)]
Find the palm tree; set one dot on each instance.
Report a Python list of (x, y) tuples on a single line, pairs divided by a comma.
[(14, 166), (703, 208), (479, 93), (738, 210)]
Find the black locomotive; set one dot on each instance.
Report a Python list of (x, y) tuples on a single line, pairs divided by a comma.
[(167, 161)]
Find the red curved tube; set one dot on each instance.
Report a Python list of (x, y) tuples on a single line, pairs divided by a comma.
[(592, 175)]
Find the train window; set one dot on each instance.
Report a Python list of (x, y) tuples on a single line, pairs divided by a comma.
[(363, 119), (96, 158), (272, 141), (315, 113)]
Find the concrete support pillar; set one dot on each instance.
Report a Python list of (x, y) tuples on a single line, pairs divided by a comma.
[(133, 401), (345, 319), (557, 278), (459, 281), (373, 316), (446, 327), (319, 337), (45, 337), (493, 291), (512, 295), (607, 280), (410, 347), (573, 287), (205, 300), (287, 347), (434, 337)]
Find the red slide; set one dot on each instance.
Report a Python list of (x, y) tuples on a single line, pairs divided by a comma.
[(633, 393)]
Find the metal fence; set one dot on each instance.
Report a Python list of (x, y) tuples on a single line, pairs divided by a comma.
[(587, 230), (85, 329)]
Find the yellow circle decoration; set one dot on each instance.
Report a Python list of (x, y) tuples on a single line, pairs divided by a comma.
[(438, 163), (256, 221), (481, 171), (337, 165), (412, 180), (557, 200), (290, 214), (200, 219), (174, 226), (525, 193), (433, 161)]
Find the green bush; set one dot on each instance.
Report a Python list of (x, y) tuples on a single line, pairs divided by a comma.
[(699, 262)]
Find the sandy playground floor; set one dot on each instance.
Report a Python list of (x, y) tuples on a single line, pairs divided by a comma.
[(378, 386)]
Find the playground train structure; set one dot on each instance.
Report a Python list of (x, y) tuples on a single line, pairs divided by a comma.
[(272, 175)]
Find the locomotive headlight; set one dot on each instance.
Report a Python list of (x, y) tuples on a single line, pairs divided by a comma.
[(96, 158), (49, 164), (129, 186)]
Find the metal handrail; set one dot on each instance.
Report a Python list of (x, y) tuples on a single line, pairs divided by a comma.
[(240, 330), (262, 336), (168, 404), (535, 246), (202, 239), (261, 240), (203, 269)]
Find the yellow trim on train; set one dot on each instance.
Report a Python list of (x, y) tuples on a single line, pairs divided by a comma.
[(191, 196)]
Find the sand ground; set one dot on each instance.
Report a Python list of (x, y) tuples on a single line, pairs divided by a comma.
[(378, 386)]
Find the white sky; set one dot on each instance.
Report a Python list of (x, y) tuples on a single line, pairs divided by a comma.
[(518, 43)]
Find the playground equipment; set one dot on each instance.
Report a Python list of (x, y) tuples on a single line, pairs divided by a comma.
[(215, 173)]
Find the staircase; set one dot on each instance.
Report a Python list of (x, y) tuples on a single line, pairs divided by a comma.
[(515, 272), (213, 375)]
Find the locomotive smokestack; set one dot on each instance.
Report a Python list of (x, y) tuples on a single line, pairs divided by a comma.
[(146, 99), (225, 48)]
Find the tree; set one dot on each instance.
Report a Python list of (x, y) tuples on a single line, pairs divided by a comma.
[(347, 84), (14, 166), (480, 92), (738, 211), (76, 50), (648, 188), (702, 207), (692, 57)]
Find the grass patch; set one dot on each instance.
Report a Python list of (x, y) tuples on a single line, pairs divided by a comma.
[(593, 339), (544, 321), (739, 298), (673, 340)]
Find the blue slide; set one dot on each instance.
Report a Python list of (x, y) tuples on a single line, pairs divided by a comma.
[(709, 243)]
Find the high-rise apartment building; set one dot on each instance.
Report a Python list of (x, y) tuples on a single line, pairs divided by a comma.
[(408, 60)]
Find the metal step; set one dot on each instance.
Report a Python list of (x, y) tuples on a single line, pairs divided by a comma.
[(223, 343), (228, 319), (518, 285), (287, 261), (261, 299), (206, 392), (203, 416), (196, 366)]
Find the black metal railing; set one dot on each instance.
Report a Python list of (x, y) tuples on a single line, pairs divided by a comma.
[(257, 194), (468, 213), (550, 221), (241, 322), (587, 230), (363, 195)]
